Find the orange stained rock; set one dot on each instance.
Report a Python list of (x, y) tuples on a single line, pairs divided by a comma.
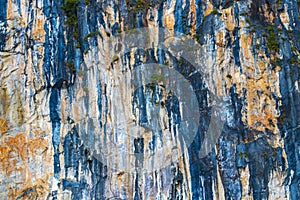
[(260, 105), (260, 84), (39, 190), (38, 31), (246, 42), (169, 21), (10, 9), (16, 152), (3, 126), (220, 40), (228, 18), (284, 17), (209, 8), (269, 15), (193, 12)]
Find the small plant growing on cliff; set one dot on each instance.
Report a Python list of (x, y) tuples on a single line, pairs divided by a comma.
[(87, 2), (276, 62), (86, 51), (148, 6), (293, 61), (229, 76), (197, 36), (275, 153), (86, 89), (216, 12), (78, 45), (272, 40), (115, 58), (75, 34), (241, 155), (71, 66), (81, 73), (91, 34), (139, 4), (248, 21), (157, 78), (281, 119), (70, 8), (151, 86), (180, 62), (265, 154)]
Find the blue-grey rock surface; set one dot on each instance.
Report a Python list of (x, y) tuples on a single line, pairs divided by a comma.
[(86, 115)]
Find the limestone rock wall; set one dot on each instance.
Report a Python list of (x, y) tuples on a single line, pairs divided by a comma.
[(68, 107)]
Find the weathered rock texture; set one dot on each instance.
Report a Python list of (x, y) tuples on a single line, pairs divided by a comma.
[(65, 98)]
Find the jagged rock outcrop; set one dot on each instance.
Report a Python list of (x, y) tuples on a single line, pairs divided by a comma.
[(74, 125)]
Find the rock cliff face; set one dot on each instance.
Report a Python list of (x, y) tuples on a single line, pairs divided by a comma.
[(72, 126)]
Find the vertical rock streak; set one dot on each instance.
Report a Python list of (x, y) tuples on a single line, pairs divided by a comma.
[(67, 103)]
